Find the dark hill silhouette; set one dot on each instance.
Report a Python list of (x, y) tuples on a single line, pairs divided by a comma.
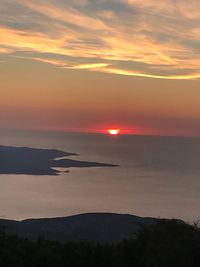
[(169, 243), (99, 227), (24, 160)]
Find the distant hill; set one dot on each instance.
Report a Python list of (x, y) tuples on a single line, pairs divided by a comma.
[(99, 227)]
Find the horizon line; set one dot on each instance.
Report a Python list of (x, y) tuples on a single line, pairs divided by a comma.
[(101, 132)]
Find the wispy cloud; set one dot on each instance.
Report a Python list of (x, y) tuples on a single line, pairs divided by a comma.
[(127, 37), (89, 66)]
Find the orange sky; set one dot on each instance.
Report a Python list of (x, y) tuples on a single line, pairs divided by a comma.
[(63, 67)]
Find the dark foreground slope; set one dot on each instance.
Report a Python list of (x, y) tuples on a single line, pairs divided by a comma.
[(34, 161), (167, 243), (99, 227)]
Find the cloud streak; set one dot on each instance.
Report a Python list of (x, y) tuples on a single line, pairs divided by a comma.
[(125, 37)]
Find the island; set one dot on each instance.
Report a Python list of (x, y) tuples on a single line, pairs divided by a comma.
[(35, 161)]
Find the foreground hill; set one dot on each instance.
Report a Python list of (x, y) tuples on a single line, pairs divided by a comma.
[(99, 227), (166, 243)]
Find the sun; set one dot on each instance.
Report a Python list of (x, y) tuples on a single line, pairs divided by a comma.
[(113, 131)]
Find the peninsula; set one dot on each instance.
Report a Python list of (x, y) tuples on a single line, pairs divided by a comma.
[(34, 161)]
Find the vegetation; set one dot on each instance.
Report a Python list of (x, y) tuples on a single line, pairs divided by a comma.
[(165, 244)]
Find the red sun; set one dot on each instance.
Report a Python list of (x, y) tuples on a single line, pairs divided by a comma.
[(113, 131)]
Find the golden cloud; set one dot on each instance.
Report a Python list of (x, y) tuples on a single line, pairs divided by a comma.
[(156, 39)]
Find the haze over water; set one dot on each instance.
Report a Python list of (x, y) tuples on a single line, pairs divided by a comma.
[(157, 176)]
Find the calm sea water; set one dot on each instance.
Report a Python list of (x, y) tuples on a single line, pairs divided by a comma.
[(157, 176)]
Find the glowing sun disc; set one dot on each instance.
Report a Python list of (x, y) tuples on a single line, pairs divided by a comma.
[(113, 131)]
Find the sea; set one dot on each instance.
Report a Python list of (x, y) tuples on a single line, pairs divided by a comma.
[(156, 177)]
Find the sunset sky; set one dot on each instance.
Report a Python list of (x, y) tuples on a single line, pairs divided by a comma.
[(90, 65)]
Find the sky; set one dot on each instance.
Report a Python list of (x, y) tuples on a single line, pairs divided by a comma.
[(90, 65)]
